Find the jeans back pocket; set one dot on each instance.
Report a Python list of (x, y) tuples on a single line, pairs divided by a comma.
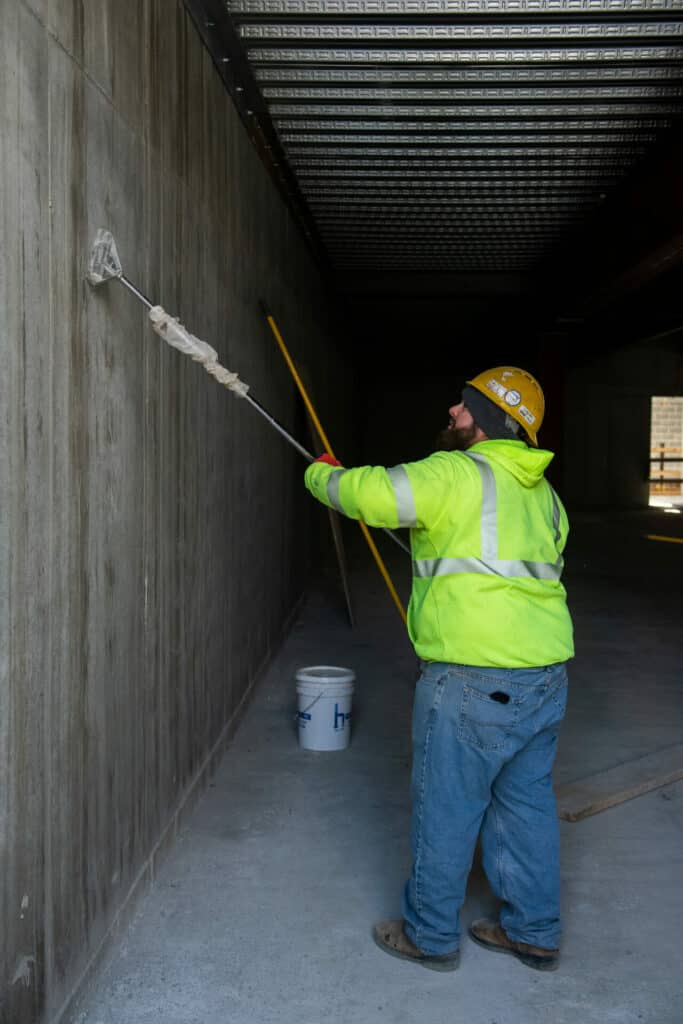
[(487, 719)]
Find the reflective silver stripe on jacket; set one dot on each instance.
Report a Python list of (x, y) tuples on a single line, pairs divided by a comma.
[(489, 564), (489, 508), (333, 489), (509, 568), (556, 514), (403, 492)]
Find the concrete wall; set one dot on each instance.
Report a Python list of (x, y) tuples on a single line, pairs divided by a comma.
[(607, 421), (153, 527)]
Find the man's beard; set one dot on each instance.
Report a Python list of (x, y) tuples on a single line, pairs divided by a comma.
[(456, 439)]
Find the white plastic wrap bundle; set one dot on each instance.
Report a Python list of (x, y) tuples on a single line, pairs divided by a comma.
[(171, 330)]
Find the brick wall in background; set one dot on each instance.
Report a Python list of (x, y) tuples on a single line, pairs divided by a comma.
[(666, 440)]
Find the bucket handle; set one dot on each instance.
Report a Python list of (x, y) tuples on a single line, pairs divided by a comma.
[(306, 710)]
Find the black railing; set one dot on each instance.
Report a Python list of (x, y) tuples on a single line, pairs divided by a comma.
[(659, 465)]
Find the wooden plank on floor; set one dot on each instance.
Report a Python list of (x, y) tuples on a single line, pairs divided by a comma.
[(597, 792)]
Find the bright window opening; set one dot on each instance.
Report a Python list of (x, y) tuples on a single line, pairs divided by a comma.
[(666, 452)]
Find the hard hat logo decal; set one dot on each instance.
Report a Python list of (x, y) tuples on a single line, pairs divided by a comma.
[(528, 416), (497, 388), (512, 397)]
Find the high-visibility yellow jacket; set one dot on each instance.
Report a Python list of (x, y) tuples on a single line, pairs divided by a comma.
[(487, 533)]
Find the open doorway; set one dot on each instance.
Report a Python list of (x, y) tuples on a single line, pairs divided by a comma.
[(666, 452)]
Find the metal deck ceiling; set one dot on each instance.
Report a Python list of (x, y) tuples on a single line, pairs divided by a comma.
[(456, 135)]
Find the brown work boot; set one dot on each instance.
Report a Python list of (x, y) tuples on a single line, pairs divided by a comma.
[(390, 937), (491, 936)]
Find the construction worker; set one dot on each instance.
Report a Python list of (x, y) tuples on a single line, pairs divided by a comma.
[(489, 622)]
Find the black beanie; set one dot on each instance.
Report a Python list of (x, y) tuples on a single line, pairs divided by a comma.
[(495, 422)]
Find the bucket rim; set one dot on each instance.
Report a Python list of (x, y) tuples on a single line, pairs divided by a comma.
[(344, 673), (340, 689)]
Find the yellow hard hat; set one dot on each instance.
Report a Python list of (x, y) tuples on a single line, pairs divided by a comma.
[(517, 393)]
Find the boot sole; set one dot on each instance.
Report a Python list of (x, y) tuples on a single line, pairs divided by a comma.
[(537, 963), (431, 964)]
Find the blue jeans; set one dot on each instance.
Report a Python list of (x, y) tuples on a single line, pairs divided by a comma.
[(484, 742)]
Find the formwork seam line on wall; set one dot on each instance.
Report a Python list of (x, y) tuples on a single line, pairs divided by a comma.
[(48, 881)]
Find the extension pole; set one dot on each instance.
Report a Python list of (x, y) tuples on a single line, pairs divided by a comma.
[(328, 448), (253, 402), (104, 265)]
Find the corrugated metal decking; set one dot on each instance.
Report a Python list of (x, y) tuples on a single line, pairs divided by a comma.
[(456, 134)]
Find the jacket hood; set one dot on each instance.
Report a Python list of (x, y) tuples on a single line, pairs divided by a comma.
[(526, 464)]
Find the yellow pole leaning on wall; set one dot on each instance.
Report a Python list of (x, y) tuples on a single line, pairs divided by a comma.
[(328, 448)]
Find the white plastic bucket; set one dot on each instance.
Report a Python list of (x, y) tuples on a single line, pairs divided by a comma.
[(324, 694)]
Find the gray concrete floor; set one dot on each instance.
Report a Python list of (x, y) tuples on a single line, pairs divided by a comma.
[(263, 909)]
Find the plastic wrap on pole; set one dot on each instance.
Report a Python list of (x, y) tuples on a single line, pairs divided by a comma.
[(172, 331)]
